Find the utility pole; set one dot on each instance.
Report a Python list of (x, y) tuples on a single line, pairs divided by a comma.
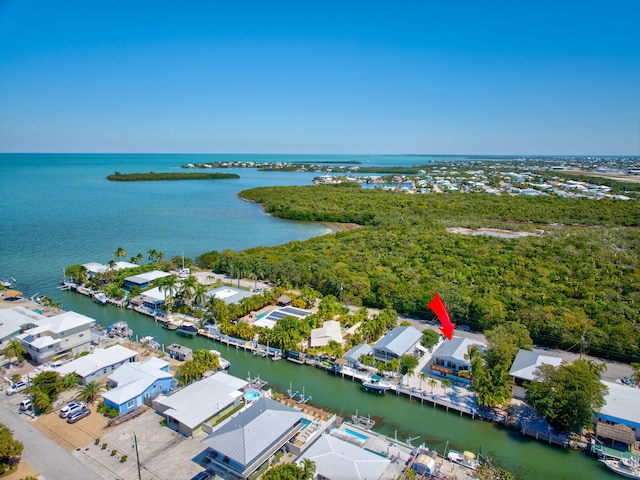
[(135, 445)]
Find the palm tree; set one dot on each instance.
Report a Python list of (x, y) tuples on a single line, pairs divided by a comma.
[(137, 259), (120, 252), (168, 286), (432, 384), (188, 287), (446, 384), (153, 255), (14, 349), (308, 468), (90, 392), (199, 295), (423, 376)]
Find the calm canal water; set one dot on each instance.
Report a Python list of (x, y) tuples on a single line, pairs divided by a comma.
[(58, 210)]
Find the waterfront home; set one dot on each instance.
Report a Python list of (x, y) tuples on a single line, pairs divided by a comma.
[(94, 268), (229, 295), (247, 441), (273, 316), (524, 367), (450, 360), (98, 364), (337, 459), (154, 298), (133, 383), (53, 337), (398, 342), (622, 406), (14, 320), (144, 280), (353, 356), (189, 408), (180, 352), (329, 331), (619, 437)]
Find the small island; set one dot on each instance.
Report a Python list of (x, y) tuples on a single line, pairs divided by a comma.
[(151, 176)]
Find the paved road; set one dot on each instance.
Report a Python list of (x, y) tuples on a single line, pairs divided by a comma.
[(44, 455)]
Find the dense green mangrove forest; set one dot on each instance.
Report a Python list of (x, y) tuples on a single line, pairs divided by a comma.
[(574, 282)]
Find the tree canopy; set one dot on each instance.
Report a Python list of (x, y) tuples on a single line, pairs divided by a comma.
[(10, 449), (568, 394)]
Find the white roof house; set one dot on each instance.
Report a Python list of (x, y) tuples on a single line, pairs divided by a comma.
[(524, 367), (57, 335), (187, 409), (336, 459), (154, 295), (13, 320), (99, 364), (398, 342), (330, 330), (450, 359), (229, 294), (247, 441), (622, 405), (144, 279), (94, 267)]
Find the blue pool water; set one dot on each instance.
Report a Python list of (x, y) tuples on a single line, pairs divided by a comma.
[(356, 434), (263, 314), (306, 423), (251, 396)]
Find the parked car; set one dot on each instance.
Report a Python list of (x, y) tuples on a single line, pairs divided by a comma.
[(78, 415), (25, 405), (16, 387), (463, 328), (69, 408)]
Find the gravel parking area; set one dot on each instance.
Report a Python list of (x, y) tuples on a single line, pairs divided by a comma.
[(164, 454)]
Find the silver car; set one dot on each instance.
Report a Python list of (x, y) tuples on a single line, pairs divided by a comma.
[(71, 408), (73, 417)]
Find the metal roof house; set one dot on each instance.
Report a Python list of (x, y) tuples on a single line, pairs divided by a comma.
[(622, 406), (99, 364), (144, 280), (53, 337), (229, 295), (336, 459), (524, 367), (188, 409), (398, 342), (133, 383), (450, 361), (245, 442), (330, 330), (353, 356), (14, 320)]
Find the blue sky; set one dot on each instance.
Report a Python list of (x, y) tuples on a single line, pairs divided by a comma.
[(543, 77)]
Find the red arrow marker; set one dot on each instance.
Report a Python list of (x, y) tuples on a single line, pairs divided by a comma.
[(438, 307)]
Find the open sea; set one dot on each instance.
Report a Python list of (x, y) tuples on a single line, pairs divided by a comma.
[(58, 209)]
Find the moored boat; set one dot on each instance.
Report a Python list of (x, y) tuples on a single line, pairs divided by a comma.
[(626, 467), (466, 459), (100, 298), (376, 383), (187, 329)]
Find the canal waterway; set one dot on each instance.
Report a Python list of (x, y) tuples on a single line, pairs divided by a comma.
[(395, 416)]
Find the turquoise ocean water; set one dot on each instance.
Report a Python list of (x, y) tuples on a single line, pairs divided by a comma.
[(57, 210)]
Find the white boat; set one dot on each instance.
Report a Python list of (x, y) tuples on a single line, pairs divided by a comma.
[(466, 459), (627, 467), (8, 283), (101, 298), (224, 363), (376, 383)]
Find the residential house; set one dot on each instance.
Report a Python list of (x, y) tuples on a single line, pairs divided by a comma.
[(229, 295), (451, 360), (180, 352), (329, 331), (15, 320), (189, 408), (398, 342), (524, 367), (246, 442), (270, 319), (622, 406), (65, 334), (353, 356), (154, 298), (336, 459), (99, 364), (94, 268), (144, 280), (133, 383)]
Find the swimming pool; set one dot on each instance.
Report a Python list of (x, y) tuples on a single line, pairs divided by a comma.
[(356, 434), (252, 395), (306, 423)]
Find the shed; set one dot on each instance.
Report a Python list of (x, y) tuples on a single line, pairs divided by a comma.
[(180, 352), (615, 436), (284, 301)]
